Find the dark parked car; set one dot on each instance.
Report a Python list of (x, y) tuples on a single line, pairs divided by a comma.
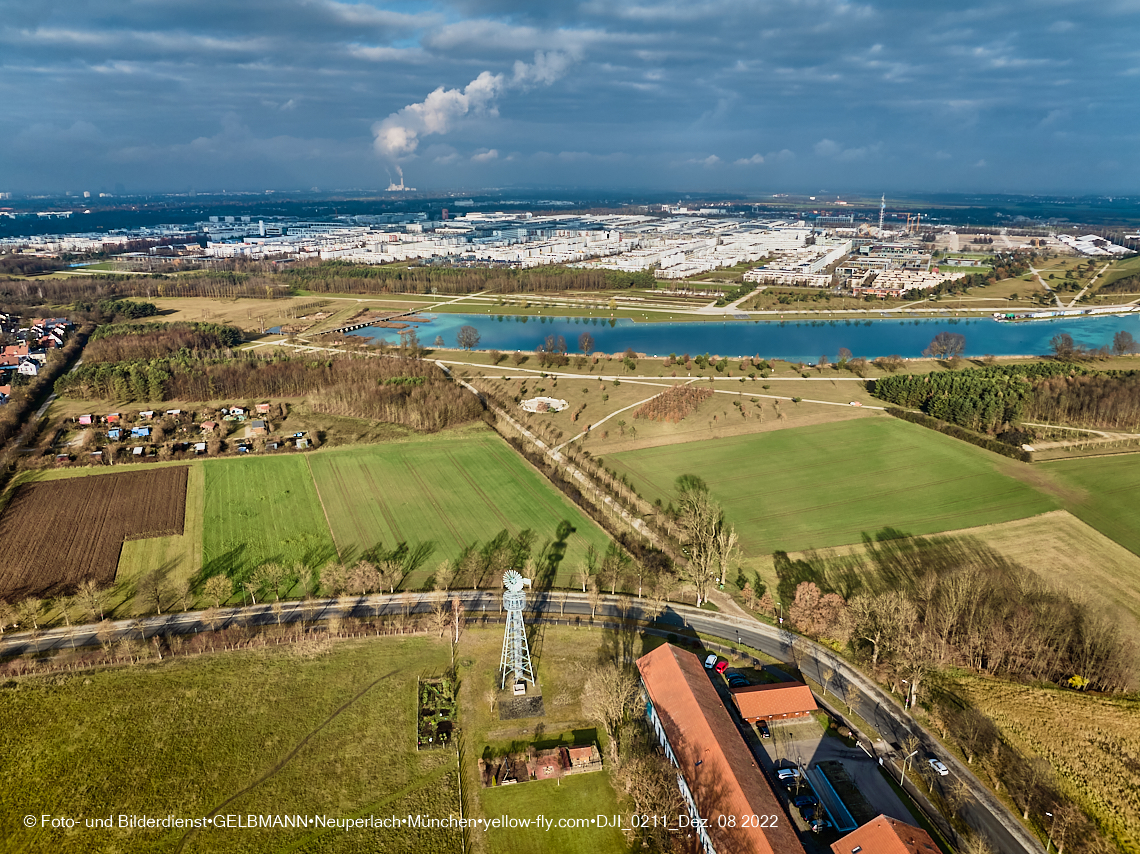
[(805, 800), (737, 681), (763, 727)]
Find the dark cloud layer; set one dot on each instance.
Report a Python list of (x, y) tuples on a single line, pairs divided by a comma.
[(741, 95)]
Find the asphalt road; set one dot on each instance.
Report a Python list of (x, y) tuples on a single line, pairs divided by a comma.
[(983, 811)]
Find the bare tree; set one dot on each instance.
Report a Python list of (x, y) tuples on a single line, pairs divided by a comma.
[(467, 337), (149, 592), (91, 599), (594, 597), (219, 589), (610, 693), (30, 610), (700, 520), (725, 544), (8, 616)]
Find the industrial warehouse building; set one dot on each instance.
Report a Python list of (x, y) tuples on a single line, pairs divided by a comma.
[(717, 773)]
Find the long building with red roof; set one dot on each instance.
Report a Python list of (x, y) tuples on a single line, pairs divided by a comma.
[(774, 702), (726, 791)]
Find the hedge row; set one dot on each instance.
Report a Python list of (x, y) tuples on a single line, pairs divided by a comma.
[(956, 432)]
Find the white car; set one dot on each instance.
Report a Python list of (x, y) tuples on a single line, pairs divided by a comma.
[(938, 767), (710, 662), (787, 773)]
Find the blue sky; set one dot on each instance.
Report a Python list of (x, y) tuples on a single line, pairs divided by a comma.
[(695, 95)]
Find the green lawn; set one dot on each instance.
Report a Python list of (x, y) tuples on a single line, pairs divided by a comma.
[(1101, 491), (823, 486), (185, 736), (447, 490), (259, 510), (584, 796)]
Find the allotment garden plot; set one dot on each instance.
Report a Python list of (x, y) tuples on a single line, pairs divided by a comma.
[(56, 534), (446, 491), (825, 485)]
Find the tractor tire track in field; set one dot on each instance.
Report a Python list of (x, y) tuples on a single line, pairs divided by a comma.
[(539, 500), (427, 493), (321, 501), (477, 489), (285, 759), (385, 510)]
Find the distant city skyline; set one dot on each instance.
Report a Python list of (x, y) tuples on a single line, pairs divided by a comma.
[(704, 97)]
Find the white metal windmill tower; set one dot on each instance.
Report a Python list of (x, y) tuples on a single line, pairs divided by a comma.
[(516, 653)]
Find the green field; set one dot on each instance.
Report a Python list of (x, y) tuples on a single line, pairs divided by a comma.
[(331, 735), (823, 486), (449, 491), (1100, 492), (584, 796), (259, 510)]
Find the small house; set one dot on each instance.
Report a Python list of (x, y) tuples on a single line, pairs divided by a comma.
[(28, 368), (174, 412), (114, 418), (148, 414), (236, 410), (273, 446), (140, 432), (62, 458), (199, 447), (263, 409), (298, 435), (114, 434), (137, 451), (85, 420), (96, 455), (258, 428), (209, 426), (302, 444)]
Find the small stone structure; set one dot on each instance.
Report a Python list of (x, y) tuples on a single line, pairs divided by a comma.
[(543, 404)]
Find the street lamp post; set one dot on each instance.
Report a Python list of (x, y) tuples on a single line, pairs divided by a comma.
[(905, 762), (1052, 827)]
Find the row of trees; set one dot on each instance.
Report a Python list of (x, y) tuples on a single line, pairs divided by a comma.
[(944, 602)]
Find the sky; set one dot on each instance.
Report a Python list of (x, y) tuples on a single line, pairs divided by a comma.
[(742, 96)]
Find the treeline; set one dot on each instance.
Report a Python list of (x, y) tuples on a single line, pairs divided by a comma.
[(127, 342), (28, 265), (352, 386), (989, 400), (1110, 399), (339, 277), (1008, 443), (88, 291), (912, 604), (978, 399), (1127, 285), (130, 309)]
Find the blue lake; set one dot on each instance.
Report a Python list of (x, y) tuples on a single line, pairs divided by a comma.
[(795, 340)]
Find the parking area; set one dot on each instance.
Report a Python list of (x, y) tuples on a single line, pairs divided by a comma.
[(804, 744)]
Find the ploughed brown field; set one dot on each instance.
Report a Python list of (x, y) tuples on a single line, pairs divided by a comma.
[(56, 534)]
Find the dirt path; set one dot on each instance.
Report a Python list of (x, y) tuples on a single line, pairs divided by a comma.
[(285, 760)]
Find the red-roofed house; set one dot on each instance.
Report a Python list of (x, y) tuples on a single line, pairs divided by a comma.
[(718, 774), (885, 835), (774, 702)]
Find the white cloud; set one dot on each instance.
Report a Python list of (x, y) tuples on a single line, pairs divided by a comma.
[(485, 156), (398, 136), (754, 160)]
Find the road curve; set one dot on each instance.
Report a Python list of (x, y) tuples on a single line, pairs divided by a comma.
[(983, 812)]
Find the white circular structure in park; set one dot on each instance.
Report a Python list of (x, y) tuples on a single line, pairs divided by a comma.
[(543, 404)]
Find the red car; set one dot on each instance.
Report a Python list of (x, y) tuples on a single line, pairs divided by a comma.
[(721, 666)]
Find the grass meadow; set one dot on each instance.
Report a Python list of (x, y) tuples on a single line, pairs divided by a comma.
[(269, 731), (584, 796), (447, 490), (1101, 492), (825, 485), (259, 510)]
